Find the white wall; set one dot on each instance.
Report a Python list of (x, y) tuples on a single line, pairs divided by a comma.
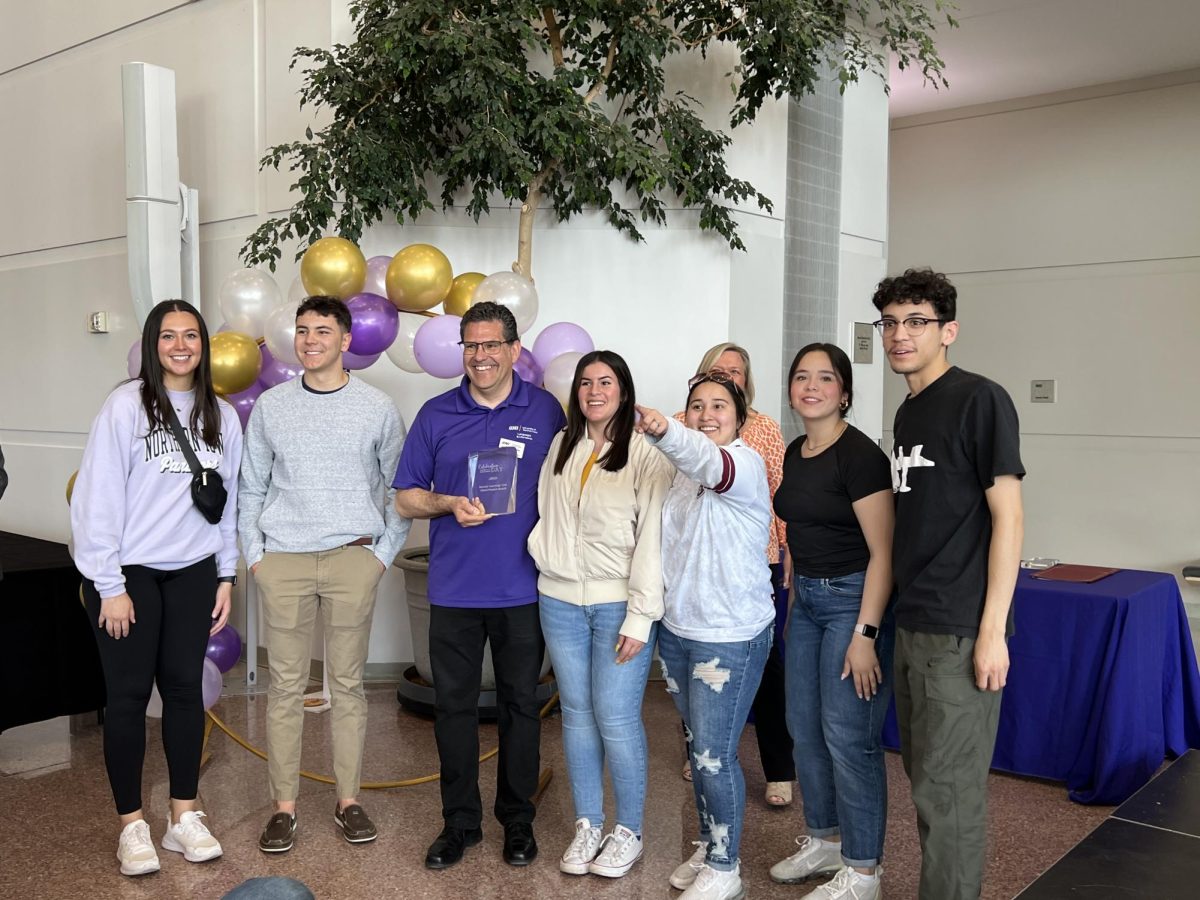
[(62, 249), (1070, 227)]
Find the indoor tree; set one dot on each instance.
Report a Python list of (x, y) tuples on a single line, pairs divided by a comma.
[(562, 105)]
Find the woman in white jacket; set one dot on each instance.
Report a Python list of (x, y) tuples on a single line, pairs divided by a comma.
[(719, 612), (596, 545)]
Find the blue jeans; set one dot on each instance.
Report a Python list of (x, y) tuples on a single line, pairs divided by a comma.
[(601, 707), (713, 685), (839, 760)]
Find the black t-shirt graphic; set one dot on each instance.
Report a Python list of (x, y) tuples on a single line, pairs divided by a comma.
[(815, 500), (952, 441)]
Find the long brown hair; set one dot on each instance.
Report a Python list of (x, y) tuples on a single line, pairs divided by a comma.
[(205, 422)]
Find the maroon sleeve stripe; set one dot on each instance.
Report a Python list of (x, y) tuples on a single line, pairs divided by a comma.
[(727, 473)]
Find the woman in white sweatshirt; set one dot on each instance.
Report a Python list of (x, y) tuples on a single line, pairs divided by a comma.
[(158, 576), (719, 612), (596, 546)]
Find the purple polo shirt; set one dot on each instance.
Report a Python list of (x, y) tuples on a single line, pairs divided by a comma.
[(488, 565)]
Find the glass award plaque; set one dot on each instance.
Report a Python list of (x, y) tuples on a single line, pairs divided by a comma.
[(492, 479)]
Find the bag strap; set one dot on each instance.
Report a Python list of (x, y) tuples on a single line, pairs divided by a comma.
[(181, 439)]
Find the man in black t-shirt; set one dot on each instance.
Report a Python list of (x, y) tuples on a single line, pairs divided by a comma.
[(956, 473)]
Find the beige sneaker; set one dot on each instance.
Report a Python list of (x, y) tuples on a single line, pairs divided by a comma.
[(849, 885), (685, 873), (135, 850), (815, 857), (191, 837)]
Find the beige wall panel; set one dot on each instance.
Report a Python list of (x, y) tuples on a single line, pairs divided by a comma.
[(289, 24), (67, 172), (34, 29), (1101, 180)]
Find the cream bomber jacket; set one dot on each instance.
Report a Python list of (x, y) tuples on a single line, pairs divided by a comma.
[(601, 544)]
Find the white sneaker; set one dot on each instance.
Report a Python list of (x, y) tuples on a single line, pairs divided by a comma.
[(135, 850), (685, 873), (711, 884), (815, 857), (618, 852), (849, 885), (192, 838), (582, 850)]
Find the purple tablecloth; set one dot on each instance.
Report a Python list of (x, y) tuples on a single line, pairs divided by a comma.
[(1103, 684)]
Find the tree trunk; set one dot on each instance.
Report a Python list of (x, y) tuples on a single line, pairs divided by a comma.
[(533, 199)]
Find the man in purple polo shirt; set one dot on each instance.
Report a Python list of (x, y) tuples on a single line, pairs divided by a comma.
[(482, 581)]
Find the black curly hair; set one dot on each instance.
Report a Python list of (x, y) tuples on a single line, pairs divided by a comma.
[(918, 286)]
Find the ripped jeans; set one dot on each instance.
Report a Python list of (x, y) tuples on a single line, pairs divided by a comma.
[(713, 686)]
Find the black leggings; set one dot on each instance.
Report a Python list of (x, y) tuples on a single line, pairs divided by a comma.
[(167, 645)]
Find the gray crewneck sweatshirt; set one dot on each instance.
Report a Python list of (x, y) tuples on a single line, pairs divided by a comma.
[(316, 469)]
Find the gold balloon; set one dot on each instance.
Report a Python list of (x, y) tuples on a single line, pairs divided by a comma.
[(418, 278), (235, 360), (71, 485), (333, 266), (462, 289)]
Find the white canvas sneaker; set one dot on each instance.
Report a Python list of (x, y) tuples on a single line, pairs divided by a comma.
[(685, 872), (192, 838), (815, 857), (135, 850), (619, 851), (582, 850), (711, 884), (849, 885)]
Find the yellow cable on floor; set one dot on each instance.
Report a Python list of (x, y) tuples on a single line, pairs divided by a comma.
[(370, 786)]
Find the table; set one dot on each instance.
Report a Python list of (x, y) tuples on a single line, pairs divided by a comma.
[(1103, 684)]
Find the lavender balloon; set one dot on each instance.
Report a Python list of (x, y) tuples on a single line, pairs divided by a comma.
[(374, 323), (276, 371), (527, 367), (376, 282), (224, 648), (210, 683), (243, 403), (436, 347), (560, 338), (355, 361)]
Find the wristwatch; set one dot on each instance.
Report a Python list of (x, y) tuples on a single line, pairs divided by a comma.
[(868, 631), (231, 579)]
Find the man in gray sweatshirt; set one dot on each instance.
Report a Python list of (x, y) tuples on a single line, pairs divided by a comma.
[(318, 528)]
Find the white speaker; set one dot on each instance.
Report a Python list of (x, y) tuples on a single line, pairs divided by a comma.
[(156, 204)]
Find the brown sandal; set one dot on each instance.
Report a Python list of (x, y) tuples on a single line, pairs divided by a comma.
[(779, 793)]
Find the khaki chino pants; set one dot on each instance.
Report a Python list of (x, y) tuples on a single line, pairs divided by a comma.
[(341, 583)]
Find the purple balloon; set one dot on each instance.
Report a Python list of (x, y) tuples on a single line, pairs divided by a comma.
[(224, 648), (133, 359), (276, 371), (356, 361), (243, 402), (376, 282), (527, 367), (210, 683), (436, 347), (374, 323), (560, 338)]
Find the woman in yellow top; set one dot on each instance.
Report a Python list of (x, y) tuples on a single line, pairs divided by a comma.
[(596, 546), (761, 433)]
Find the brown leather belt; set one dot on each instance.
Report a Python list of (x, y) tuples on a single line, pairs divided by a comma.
[(361, 542)]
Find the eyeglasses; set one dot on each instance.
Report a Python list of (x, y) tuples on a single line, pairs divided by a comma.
[(715, 376), (491, 348), (914, 325)]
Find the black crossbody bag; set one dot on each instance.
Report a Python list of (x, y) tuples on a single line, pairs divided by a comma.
[(208, 488)]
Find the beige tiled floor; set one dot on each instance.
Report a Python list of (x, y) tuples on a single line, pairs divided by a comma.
[(58, 831)]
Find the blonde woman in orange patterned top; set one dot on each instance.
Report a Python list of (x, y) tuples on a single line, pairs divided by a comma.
[(762, 434)]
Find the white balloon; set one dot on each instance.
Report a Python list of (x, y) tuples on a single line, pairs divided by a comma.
[(560, 375), (401, 351), (296, 291), (280, 333), (514, 291), (247, 297)]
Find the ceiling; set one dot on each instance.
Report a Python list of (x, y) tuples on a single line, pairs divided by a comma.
[(1004, 49)]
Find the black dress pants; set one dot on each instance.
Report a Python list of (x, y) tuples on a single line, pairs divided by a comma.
[(456, 641)]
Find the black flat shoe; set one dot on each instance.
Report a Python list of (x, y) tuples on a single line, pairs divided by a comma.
[(448, 848), (520, 849)]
